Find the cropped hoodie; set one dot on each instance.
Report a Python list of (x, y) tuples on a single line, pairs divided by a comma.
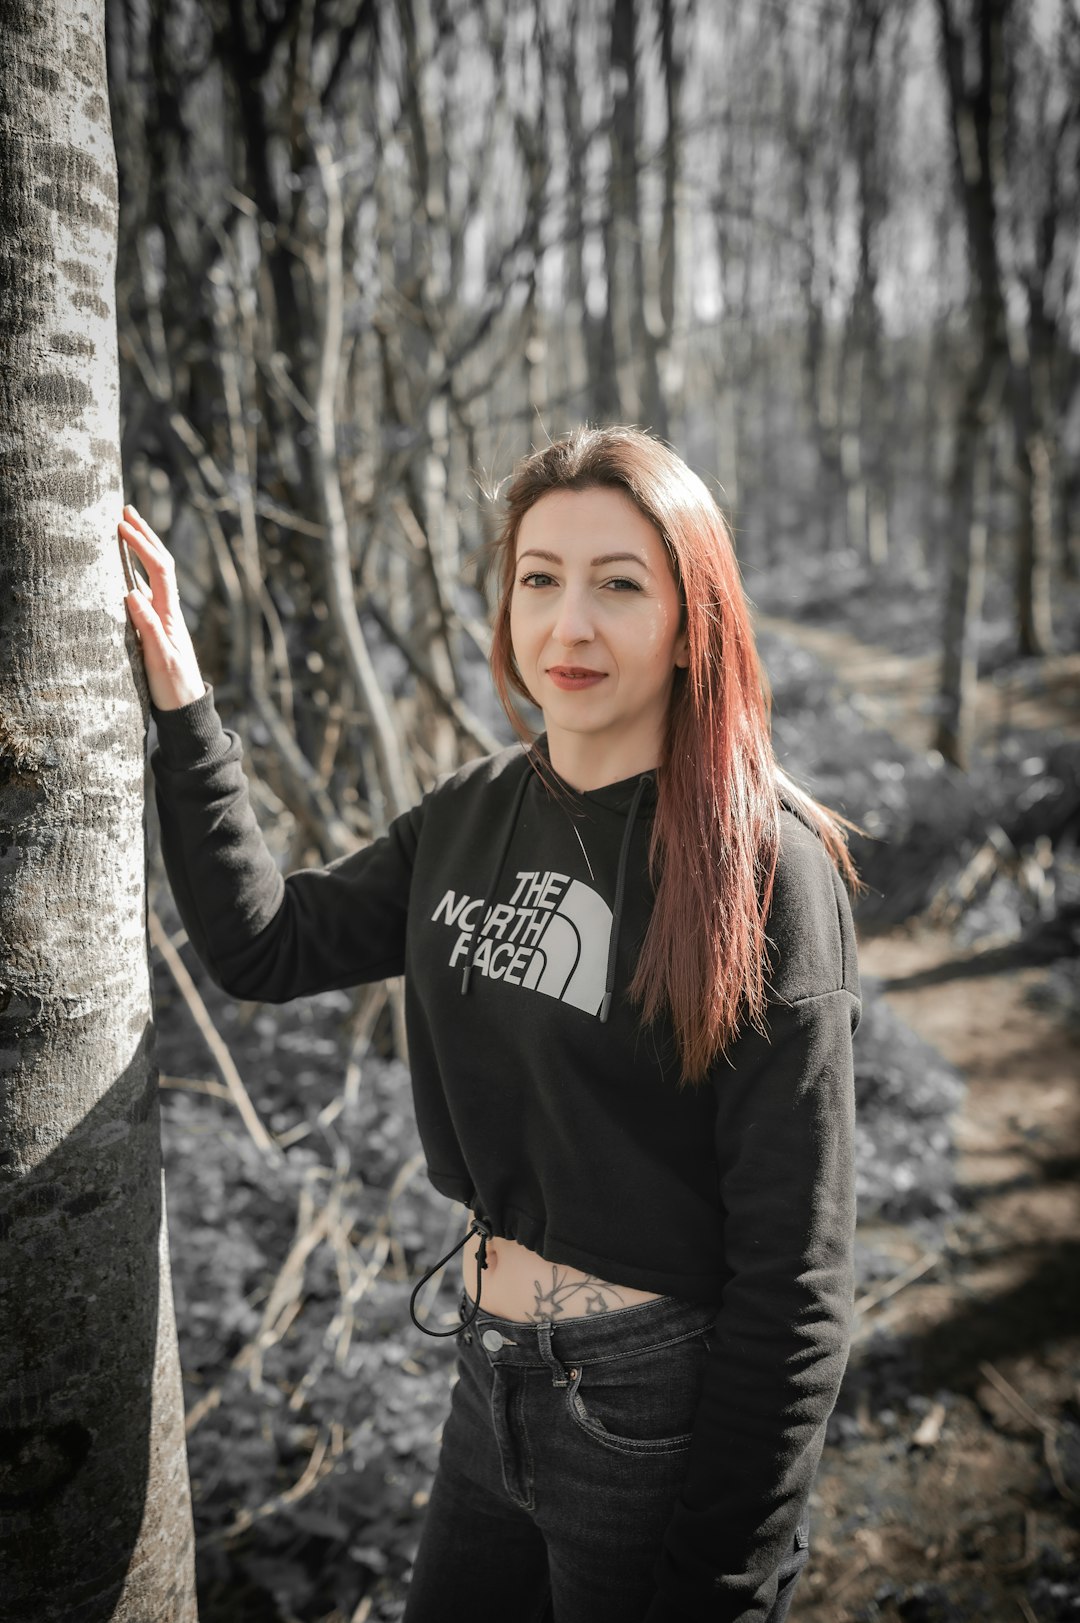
[(543, 1103)]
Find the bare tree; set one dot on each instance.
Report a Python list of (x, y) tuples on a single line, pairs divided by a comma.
[(672, 303), (872, 83), (976, 110), (94, 1501), (1043, 147), (632, 346)]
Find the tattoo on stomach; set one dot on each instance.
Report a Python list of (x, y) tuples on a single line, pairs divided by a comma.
[(574, 1295)]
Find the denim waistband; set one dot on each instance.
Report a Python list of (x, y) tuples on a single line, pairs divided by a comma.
[(591, 1338)]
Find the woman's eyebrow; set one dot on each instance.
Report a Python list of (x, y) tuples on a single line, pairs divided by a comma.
[(604, 558)]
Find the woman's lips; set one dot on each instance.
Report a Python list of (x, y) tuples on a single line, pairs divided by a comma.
[(584, 679)]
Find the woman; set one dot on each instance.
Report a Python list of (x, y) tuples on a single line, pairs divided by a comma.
[(631, 987)]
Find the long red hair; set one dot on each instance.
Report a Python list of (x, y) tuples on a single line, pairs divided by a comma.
[(718, 781)]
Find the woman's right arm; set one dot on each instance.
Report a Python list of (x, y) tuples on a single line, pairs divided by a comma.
[(261, 936)]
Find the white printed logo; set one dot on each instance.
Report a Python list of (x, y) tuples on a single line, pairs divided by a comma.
[(552, 936)]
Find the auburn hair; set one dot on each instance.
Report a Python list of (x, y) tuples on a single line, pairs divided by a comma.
[(718, 781)]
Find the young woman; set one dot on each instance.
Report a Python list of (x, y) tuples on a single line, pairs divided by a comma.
[(631, 989)]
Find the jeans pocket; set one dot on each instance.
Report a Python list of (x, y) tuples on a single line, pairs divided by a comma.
[(644, 1403)]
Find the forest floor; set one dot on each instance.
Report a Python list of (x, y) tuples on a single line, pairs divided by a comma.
[(949, 1486), (952, 1489)]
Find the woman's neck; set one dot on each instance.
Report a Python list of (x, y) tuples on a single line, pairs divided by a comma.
[(584, 762)]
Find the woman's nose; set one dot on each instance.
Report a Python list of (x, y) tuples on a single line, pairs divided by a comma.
[(573, 619)]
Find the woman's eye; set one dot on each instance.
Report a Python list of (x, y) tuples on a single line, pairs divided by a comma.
[(538, 575)]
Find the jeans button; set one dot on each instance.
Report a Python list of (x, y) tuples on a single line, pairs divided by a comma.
[(492, 1340)]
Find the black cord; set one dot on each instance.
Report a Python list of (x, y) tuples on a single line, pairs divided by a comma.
[(479, 1226)]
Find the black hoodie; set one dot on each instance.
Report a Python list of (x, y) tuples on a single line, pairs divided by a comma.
[(545, 1106)]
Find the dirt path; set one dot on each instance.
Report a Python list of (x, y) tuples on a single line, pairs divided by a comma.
[(898, 691), (953, 1490), (942, 1478)]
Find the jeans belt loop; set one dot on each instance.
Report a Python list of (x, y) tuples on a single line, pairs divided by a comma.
[(559, 1376)]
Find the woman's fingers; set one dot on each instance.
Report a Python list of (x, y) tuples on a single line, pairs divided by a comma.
[(136, 606), (159, 564), (132, 578), (149, 547), (172, 667), (142, 601), (154, 554), (132, 513), (133, 517)]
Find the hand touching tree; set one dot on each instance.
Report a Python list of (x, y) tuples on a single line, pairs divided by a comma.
[(172, 669)]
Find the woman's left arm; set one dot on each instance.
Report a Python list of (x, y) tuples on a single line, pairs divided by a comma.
[(785, 1137)]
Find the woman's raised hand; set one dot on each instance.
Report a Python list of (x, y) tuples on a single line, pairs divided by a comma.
[(172, 670)]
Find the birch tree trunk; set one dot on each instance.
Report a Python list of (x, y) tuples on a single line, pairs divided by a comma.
[(95, 1517)]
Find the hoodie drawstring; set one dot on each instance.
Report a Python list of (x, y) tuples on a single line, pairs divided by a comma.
[(481, 1226), (620, 886)]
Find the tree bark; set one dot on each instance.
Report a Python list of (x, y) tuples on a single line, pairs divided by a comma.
[(634, 348), (870, 96), (594, 365), (674, 219), (1033, 410), (976, 119), (965, 583), (95, 1515)]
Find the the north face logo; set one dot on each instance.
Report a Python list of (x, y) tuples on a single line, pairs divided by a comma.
[(551, 936)]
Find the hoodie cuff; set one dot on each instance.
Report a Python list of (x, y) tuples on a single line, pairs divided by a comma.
[(191, 735)]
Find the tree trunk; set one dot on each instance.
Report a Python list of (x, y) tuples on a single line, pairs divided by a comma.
[(95, 1515), (965, 585), (634, 346), (674, 219), (594, 365), (1033, 415), (977, 134), (871, 96), (1034, 629)]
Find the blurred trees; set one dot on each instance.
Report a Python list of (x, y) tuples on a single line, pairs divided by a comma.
[(1014, 116), (371, 250)]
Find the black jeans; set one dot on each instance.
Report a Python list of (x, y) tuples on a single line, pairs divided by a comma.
[(562, 1455)]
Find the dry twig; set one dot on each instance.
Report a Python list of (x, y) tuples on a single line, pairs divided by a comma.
[(194, 1084), (881, 1293), (1024, 1561), (282, 1304), (341, 589), (1033, 1418), (327, 1449), (213, 1038), (338, 1335)]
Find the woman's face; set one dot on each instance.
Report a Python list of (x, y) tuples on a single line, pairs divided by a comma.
[(577, 607)]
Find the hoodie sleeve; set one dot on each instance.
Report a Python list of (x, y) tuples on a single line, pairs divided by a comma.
[(259, 935), (785, 1128)]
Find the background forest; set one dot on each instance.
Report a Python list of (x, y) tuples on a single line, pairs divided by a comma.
[(371, 251)]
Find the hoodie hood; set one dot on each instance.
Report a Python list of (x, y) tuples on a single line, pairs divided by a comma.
[(626, 797)]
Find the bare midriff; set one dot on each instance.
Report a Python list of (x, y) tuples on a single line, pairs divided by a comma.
[(521, 1285)]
